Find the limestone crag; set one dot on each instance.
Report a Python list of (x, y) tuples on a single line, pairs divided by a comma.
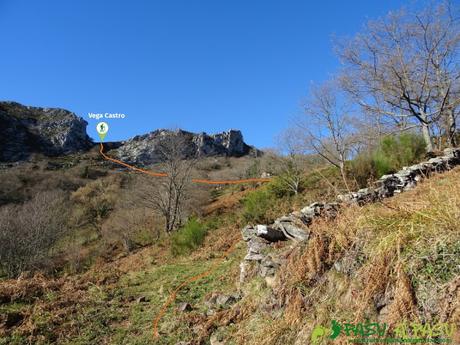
[(144, 149), (50, 131), (28, 130), (294, 226)]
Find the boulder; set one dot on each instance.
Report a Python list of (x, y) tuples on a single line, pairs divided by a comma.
[(270, 234), (388, 185), (291, 228), (184, 306), (312, 210), (255, 244), (223, 300), (253, 257), (142, 299), (347, 198), (438, 164), (452, 152), (268, 267), (248, 232)]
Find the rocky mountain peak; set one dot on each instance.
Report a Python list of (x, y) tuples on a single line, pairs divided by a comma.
[(51, 131), (143, 149), (25, 130)]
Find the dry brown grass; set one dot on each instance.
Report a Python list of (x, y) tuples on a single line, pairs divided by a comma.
[(450, 306), (56, 300), (403, 306), (380, 246), (226, 202), (373, 279), (386, 244)]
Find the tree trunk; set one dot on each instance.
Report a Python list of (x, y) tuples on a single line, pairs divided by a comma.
[(451, 128), (344, 175), (427, 137)]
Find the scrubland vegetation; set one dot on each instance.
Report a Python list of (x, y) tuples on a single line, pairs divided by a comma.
[(406, 249), (89, 252)]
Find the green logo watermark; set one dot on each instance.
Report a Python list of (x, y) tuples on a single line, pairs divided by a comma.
[(374, 332)]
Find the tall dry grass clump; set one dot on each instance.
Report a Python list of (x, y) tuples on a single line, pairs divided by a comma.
[(390, 261), (403, 306)]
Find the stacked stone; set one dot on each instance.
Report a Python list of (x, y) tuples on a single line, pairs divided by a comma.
[(258, 240), (403, 180), (295, 225)]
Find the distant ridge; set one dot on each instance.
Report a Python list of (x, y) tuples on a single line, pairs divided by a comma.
[(25, 130), (143, 149)]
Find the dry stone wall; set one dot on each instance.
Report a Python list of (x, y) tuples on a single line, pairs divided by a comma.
[(294, 226)]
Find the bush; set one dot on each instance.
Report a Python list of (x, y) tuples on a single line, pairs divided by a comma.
[(130, 227), (256, 205), (188, 237), (29, 231), (278, 187), (96, 200), (362, 170), (391, 154), (395, 152), (215, 193), (286, 184), (254, 170)]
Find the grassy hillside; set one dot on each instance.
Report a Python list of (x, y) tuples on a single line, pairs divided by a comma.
[(384, 262)]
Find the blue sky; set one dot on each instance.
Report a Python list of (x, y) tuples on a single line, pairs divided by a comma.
[(198, 65)]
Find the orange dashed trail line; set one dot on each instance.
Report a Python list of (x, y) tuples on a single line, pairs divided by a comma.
[(192, 279), (157, 174)]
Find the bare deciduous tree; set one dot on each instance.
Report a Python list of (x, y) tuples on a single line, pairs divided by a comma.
[(405, 66), (168, 195), (288, 161), (29, 231), (95, 201), (326, 129), (127, 223)]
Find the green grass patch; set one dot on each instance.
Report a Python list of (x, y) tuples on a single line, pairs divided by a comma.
[(157, 284), (256, 205), (189, 237)]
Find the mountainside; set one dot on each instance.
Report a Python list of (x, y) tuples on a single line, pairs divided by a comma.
[(25, 130), (144, 149), (391, 263)]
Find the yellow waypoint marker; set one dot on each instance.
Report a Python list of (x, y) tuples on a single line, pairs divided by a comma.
[(102, 129)]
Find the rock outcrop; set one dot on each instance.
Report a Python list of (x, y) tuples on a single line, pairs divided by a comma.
[(27, 130), (295, 225), (144, 149), (49, 131)]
